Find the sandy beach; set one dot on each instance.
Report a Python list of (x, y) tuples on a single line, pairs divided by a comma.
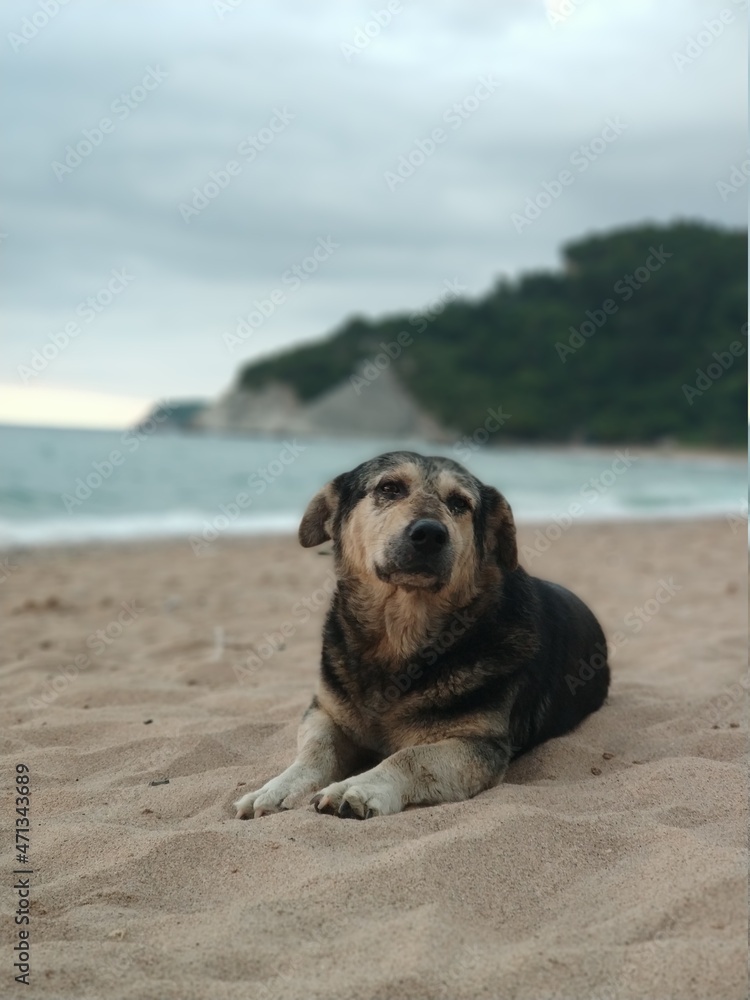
[(609, 865)]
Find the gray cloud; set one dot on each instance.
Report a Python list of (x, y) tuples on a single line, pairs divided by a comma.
[(323, 174)]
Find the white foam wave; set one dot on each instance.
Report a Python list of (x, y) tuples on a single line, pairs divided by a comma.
[(122, 528)]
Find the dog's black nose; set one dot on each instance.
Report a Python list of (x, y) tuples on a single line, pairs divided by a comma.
[(427, 535)]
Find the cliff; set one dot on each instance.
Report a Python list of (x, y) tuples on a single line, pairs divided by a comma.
[(365, 405)]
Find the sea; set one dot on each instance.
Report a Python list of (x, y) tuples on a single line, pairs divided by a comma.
[(73, 486)]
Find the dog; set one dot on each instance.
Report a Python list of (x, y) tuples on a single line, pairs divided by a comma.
[(443, 659)]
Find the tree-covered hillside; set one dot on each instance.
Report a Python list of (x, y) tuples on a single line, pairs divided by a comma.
[(618, 346)]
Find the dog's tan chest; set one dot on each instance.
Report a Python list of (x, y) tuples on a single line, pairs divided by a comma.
[(373, 728)]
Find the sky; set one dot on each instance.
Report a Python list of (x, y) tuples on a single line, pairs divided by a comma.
[(177, 167)]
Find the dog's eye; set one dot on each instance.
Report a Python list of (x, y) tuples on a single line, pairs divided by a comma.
[(458, 504), (391, 488)]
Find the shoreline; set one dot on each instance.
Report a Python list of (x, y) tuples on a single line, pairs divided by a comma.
[(249, 537), (734, 454), (10, 548)]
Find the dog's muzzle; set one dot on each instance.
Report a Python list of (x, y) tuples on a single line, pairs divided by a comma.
[(420, 556), (427, 537)]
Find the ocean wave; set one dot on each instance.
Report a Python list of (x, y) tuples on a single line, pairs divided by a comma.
[(133, 527)]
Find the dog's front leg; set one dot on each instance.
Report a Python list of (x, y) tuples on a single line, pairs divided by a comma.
[(447, 771), (324, 754)]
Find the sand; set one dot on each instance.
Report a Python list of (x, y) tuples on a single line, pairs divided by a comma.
[(609, 865)]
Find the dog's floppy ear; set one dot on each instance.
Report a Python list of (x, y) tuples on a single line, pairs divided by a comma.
[(315, 526), (500, 528)]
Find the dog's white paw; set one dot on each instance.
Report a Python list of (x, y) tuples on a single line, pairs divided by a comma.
[(361, 797), (286, 791)]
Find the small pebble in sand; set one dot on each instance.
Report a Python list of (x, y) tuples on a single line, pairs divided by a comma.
[(596, 770), (159, 781), (608, 756), (147, 722), (734, 725)]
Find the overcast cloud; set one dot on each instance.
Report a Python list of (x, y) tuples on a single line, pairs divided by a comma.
[(186, 84)]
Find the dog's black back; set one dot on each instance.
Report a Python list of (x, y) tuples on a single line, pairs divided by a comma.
[(568, 676)]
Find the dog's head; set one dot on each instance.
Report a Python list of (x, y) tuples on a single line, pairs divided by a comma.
[(413, 522)]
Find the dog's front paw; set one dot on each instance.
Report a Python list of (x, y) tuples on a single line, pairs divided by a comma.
[(361, 797), (278, 794), (258, 803)]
